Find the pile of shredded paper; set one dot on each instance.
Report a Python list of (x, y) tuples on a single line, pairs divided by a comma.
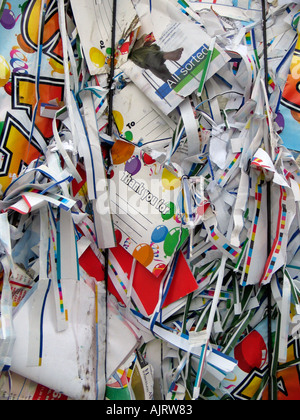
[(149, 200)]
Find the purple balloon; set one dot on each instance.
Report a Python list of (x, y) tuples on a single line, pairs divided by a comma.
[(280, 122), (133, 166), (8, 19)]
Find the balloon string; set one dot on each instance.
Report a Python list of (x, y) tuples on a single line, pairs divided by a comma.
[(112, 70), (2, 7)]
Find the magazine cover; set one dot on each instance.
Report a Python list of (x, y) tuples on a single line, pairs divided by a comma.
[(171, 55)]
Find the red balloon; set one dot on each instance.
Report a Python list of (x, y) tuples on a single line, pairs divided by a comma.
[(8, 88), (118, 236), (251, 352), (159, 269), (148, 159)]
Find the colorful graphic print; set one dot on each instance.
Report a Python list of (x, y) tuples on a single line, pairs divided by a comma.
[(30, 77)]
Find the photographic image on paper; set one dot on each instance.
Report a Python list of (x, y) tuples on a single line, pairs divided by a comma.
[(163, 63)]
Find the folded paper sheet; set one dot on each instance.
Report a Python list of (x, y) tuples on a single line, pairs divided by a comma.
[(137, 119), (94, 22), (146, 285), (58, 373), (145, 199), (163, 63)]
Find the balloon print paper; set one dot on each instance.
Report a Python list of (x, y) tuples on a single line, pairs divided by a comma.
[(289, 116), (24, 131), (145, 200), (138, 120), (94, 22)]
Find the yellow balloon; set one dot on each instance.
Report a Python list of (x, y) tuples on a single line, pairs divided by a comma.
[(57, 67), (170, 181), (119, 120), (97, 57), (4, 71), (295, 68)]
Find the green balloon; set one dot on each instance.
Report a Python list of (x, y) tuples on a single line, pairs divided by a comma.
[(171, 212), (172, 240), (185, 234), (129, 136)]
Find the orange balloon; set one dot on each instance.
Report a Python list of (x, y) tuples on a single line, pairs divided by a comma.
[(121, 152), (295, 115), (23, 45), (143, 254)]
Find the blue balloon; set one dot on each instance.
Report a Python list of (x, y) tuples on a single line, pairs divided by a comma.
[(159, 234)]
